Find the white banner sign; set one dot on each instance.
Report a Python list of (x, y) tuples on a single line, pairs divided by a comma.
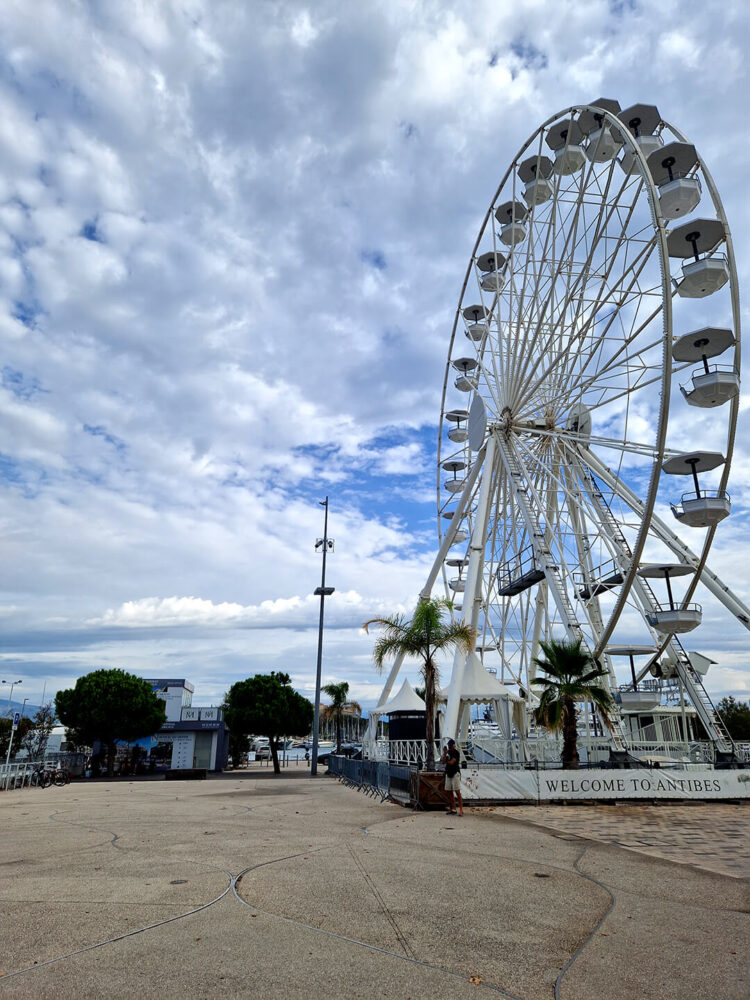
[(497, 783), (644, 784), (601, 784)]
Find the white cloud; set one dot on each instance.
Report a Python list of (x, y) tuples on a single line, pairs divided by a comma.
[(291, 612), (232, 238)]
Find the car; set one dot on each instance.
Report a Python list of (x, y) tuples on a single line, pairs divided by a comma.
[(353, 750), (263, 752)]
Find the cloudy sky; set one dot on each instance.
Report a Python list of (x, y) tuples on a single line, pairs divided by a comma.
[(232, 238)]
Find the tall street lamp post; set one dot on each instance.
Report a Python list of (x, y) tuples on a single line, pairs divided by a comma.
[(10, 696), (325, 543), (23, 707)]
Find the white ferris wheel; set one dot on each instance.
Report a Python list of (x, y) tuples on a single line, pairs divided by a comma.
[(589, 407)]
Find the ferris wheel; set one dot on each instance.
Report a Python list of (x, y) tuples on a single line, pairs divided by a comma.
[(590, 403)]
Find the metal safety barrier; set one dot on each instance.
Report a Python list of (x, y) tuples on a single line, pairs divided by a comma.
[(375, 778)]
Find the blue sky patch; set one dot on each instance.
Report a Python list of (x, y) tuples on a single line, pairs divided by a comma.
[(529, 54), (89, 231), (26, 312), (22, 386), (375, 258), (102, 432)]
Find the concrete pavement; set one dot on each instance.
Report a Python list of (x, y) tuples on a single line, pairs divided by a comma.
[(291, 887)]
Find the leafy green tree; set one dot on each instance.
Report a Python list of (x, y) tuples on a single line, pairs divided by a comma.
[(338, 693), (6, 726), (736, 716), (239, 745), (37, 738), (110, 706), (267, 705), (423, 636), (571, 677)]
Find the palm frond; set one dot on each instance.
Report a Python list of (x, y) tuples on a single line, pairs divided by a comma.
[(395, 622), (386, 646)]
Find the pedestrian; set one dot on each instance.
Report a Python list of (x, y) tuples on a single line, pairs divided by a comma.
[(452, 760)]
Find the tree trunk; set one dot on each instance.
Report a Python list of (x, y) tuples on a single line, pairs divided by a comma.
[(111, 759), (275, 756), (429, 702), (570, 757)]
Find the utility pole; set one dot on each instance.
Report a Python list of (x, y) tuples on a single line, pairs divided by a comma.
[(325, 543)]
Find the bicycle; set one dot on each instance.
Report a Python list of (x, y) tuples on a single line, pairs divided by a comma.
[(40, 778), (43, 777)]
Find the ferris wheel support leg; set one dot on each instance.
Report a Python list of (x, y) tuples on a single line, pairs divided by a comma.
[(472, 601), (433, 574), (540, 603), (372, 727), (463, 727), (709, 579), (541, 551), (461, 506)]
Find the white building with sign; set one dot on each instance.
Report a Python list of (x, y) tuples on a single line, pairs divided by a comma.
[(192, 736)]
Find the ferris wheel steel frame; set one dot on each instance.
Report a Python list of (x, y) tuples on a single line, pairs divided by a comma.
[(525, 492)]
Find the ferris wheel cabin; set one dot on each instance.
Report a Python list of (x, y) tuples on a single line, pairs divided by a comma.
[(602, 145), (702, 508), (641, 120), (706, 274), (710, 385)]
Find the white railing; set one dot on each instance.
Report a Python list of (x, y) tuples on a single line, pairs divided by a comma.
[(686, 753), (547, 752), (15, 775), (403, 751)]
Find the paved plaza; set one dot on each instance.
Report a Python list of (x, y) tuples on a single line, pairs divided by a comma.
[(291, 887), (712, 836)]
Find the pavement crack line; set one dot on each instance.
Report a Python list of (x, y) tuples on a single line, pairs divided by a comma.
[(98, 829), (400, 936), (233, 881), (349, 940), (585, 942), (127, 934)]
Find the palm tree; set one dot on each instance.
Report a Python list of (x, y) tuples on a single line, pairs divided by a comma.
[(571, 676), (425, 635), (339, 703)]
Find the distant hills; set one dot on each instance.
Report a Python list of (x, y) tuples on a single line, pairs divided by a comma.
[(16, 706)]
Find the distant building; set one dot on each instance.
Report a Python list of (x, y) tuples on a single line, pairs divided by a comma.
[(191, 736)]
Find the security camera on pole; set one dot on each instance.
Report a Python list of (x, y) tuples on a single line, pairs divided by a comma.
[(10, 696), (324, 544), (16, 720)]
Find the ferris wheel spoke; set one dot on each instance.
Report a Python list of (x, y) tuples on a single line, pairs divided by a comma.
[(576, 290), (600, 222), (629, 353), (554, 265), (560, 359), (573, 346)]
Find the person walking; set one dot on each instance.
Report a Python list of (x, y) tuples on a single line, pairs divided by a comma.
[(452, 761)]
